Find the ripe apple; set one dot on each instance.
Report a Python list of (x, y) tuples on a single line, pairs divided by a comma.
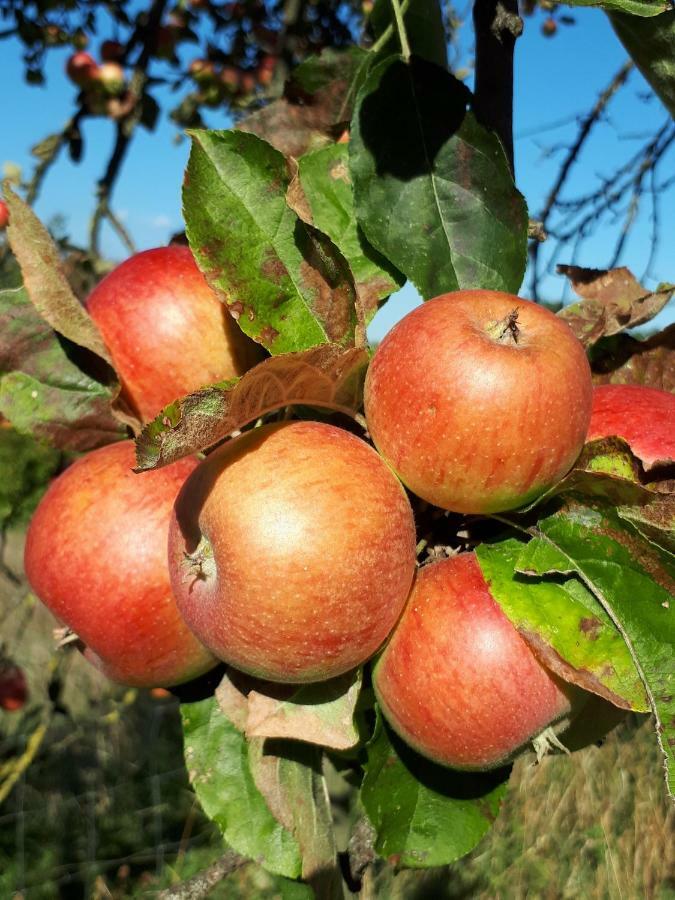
[(81, 68), (4, 215), (456, 681), (167, 332), (13, 687), (479, 400), (96, 556), (112, 51), (644, 417), (292, 551)]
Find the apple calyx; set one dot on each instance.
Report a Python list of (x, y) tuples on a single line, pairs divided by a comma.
[(505, 331), (199, 565), (546, 741)]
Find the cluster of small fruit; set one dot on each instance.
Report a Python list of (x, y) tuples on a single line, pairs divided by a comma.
[(218, 84), (292, 548), (104, 84)]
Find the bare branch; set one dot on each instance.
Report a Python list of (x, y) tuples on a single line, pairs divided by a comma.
[(201, 884)]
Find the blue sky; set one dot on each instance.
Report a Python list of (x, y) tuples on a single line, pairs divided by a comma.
[(556, 80)]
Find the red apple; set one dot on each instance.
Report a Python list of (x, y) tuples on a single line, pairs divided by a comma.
[(479, 400), (81, 68), (4, 215), (112, 51), (456, 681), (167, 332), (644, 417), (292, 551), (96, 556), (13, 688)]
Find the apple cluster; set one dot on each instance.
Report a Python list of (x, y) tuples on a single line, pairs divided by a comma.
[(292, 547)]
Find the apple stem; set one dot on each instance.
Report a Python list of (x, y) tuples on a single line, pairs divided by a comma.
[(505, 330)]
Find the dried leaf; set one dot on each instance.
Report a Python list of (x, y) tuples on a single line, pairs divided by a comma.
[(624, 360), (324, 376), (44, 279), (317, 102), (613, 301)]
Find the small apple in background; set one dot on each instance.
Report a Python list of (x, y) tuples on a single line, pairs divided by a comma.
[(82, 68), (643, 416), (111, 79), (479, 400), (167, 332), (456, 681), (4, 215), (292, 551), (13, 687), (96, 556), (112, 51)]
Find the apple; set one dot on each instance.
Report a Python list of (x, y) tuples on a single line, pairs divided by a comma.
[(4, 215), (111, 79), (643, 416), (81, 68), (13, 688), (479, 400), (456, 681), (292, 551), (167, 332), (96, 556), (112, 51)]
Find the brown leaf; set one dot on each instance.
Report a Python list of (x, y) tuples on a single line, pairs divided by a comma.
[(44, 279), (325, 376), (613, 301), (316, 104), (624, 360)]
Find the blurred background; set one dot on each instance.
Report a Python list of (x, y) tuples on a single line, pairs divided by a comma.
[(94, 797)]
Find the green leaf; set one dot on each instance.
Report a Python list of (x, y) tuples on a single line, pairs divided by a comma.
[(218, 761), (424, 26), (651, 44), (49, 388), (613, 301), (317, 102), (316, 713), (286, 284), (425, 815), (433, 188), (325, 377), (635, 582), (635, 8), (326, 189), (565, 625), (45, 282)]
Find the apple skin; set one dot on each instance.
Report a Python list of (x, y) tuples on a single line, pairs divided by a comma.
[(13, 688), (471, 420), (81, 68), (643, 416), (292, 551), (456, 681), (166, 330), (4, 215), (96, 556)]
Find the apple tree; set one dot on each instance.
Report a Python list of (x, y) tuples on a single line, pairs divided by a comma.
[(377, 166)]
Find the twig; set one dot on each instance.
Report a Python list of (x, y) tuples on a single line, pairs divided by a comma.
[(125, 130), (585, 130), (400, 27), (388, 32), (497, 25), (201, 884)]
